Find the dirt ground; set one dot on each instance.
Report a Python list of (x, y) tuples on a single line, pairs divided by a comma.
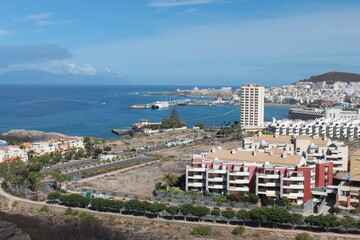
[(141, 140), (141, 180)]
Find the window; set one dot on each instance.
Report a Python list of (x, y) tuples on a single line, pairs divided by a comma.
[(357, 160)]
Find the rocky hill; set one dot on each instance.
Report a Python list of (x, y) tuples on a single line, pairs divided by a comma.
[(19, 135), (334, 77)]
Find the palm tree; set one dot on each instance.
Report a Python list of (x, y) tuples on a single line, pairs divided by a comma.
[(169, 179)]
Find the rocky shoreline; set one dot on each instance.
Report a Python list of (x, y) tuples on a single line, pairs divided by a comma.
[(20, 135)]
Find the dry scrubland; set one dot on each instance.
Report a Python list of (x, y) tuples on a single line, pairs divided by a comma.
[(138, 181), (55, 225), (142, 180)]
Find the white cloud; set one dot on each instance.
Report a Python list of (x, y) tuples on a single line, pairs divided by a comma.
[(64, 67), (41, 18), (187, 11), (4, 32), (176, 3)]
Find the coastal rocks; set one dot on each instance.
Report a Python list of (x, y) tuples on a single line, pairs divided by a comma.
[(10, 231), (123, 132), (20, 135)]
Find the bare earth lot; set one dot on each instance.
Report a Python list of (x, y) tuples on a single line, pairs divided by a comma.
[(139, 181)]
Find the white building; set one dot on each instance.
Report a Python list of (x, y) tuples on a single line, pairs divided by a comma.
[(338, 113), (321, 127), (11, 153), (252, 106)]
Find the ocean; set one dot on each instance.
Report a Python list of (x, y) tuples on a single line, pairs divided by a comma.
[(95, 110)]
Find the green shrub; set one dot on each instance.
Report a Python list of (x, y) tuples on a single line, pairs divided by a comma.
[(87, 216), (44, 209), (257, 235), (353, 211), (303, 236), (75, 212), (336, 210), (201, 231), (240, 230), (68, 211)]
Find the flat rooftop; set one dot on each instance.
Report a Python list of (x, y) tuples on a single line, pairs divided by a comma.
[(259, 157)]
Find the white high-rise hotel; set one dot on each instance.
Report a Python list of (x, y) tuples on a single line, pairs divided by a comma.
[(252, 106)]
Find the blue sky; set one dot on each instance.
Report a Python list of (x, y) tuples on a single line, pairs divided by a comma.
[(190, 42)]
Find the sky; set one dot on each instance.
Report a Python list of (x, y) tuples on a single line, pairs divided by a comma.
[(181, 42)]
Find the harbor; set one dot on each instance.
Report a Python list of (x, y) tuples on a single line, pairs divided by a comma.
[(186, 102)]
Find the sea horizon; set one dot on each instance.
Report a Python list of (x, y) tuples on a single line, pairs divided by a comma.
[(87, 110)]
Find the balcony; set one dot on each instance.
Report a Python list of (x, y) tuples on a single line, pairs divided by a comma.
[(196, 177), (196, 184), (216, 179), (294, 186), (293, 194), (195, 169), (216, 186), (269, 184), (269, 176), (269, 193), (239, 181), (241, 189), (295, 178), (217, 171), (239, 174)]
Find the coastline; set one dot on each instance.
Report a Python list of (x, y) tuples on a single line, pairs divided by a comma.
[(284, 105)]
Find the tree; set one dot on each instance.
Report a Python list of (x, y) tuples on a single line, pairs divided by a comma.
[(243, 215), (98, 151), (157, 208), (169, 179), (59, 177), (228, 214), (259, 214), (200, 212), (278, 215), (173, 210), (216, 213), (54, 196), (329, 221), (186, 209), (348, 222), (296, 218), (174, 114), (107, 149)]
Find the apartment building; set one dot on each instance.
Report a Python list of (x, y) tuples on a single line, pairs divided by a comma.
[(54, 146), (314, 149), (322, 127), (338, 113), (348, 191), (355, 163), (269, 173), (252, 106), (11, 153)]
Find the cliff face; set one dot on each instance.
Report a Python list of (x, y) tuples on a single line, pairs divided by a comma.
[(334, 77), (29, 135)]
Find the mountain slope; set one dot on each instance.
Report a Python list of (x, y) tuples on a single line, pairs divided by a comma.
[(334, 77)]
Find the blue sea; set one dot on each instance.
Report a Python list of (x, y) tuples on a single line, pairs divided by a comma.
[(95, 110)]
